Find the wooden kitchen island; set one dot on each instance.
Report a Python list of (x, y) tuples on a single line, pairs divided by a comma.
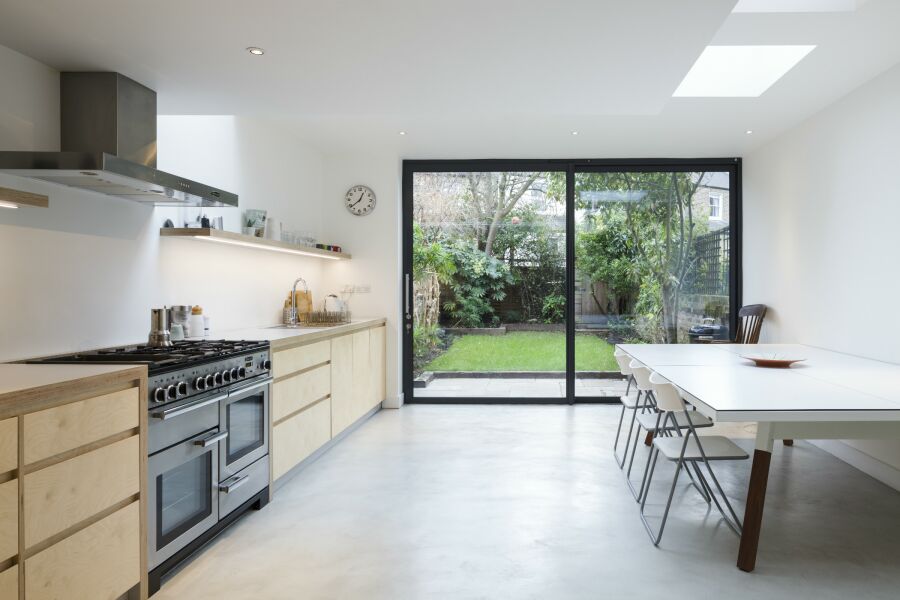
[(73, 462)]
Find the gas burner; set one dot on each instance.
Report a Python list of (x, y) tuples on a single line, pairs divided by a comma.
[(179, 355)]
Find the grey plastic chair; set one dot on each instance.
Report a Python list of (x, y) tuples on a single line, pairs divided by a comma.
[(687, 449)]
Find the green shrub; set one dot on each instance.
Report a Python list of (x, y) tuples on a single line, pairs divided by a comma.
[(479, 280), (554, 309)]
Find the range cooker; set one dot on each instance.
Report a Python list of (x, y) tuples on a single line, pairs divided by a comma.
[(207, 438)]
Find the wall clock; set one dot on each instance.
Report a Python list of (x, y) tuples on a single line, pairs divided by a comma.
[(360, 200)]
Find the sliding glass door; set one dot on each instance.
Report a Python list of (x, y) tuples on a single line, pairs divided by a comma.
[(521, 276), (653, 260)]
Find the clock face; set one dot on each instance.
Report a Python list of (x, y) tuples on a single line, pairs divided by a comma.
[(360, 200)]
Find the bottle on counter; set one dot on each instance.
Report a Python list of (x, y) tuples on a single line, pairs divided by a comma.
[(195, 325)]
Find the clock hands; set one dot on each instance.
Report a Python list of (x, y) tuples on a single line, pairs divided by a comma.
[(358, 200)]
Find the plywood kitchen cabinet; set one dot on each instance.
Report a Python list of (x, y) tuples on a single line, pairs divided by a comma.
[(321, 388), (357, 376), (72, 482)]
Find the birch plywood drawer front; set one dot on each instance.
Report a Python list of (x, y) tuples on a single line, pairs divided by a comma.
[(102, 561), (9, 519), (62, 495), (9, 583), (299, 436), (57, 430), (299, 391), (9, 445), (285, 362)]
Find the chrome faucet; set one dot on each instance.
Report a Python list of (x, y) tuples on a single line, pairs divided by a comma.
[(295, 320)]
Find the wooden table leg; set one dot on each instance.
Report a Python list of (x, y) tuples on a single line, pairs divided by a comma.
[(648, 441), (756, 498)]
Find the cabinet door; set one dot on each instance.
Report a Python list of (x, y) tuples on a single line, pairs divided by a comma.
[(9, 519), (298, 436), (102, 560), (362, 389), (9, 444), (376, 366), (341, 383)]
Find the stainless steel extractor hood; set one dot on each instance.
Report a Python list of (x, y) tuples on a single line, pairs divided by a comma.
[(108, 145)]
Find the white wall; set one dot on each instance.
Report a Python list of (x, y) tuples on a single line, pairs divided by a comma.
[(821, 226), (85, 272), (374, 241)]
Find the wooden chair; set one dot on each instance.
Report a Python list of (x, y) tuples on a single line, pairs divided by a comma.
[(750, 320)]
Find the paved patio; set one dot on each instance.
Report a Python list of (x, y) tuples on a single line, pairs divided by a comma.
[(501, 387)]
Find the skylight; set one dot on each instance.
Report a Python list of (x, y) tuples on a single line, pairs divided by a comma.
[(739, 71)]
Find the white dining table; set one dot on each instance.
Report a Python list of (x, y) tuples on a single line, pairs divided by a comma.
[(829, 395)]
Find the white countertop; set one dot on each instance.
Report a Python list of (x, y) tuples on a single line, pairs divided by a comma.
[(281, 337), (18, 378)]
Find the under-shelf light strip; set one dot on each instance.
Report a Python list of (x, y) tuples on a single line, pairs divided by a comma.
[(264, 247)]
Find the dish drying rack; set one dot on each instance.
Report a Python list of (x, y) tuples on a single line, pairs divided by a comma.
[(321, 318)]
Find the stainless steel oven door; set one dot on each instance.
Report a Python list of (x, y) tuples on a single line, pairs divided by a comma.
[(245, 416), (183, 494)]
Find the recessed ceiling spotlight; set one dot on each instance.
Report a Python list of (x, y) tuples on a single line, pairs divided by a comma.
[(402, 133), (749, 132), (256, 51), (574, 133)]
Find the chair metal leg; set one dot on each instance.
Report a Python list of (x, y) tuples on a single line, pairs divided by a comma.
[(657, 537), (621, 462)]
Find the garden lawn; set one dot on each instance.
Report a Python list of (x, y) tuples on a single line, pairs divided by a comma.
[(524, 351)]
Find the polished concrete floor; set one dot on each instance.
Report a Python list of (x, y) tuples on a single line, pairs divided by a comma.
[(510, 502)]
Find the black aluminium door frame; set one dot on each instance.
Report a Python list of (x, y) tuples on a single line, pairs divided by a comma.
[(570, 167)]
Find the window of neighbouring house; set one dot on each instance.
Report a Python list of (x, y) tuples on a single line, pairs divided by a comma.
[(715, 206)]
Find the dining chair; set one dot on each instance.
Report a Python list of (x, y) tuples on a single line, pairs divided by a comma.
[(628, 403), (684, 450), (750, 320), (649, 421)]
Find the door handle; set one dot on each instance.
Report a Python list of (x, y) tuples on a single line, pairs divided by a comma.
[(162, 415), (213, 439), (240, 390), (406, 299), (234, 483)]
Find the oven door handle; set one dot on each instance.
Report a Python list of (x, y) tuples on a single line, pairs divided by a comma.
[(213, 439), (258, 384), (182, 410), (229, 485)]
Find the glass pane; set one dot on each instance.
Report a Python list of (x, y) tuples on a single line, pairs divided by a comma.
[(246, 426), (489, 255), (652, 264), (184, 497)]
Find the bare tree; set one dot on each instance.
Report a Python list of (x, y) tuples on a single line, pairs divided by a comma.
[(493, 197)]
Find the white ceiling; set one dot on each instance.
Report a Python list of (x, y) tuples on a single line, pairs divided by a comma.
[(464, 78)]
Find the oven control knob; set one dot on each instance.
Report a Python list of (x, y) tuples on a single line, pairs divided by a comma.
[(159, 394), (182, 388), (210, 381), (234, 374), (200, 383), (172, 392), (226, 375), (267, 364), (242, 372), (217, 378)]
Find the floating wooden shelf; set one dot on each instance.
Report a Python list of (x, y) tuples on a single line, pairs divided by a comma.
[(239, 239), (15, 198)]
